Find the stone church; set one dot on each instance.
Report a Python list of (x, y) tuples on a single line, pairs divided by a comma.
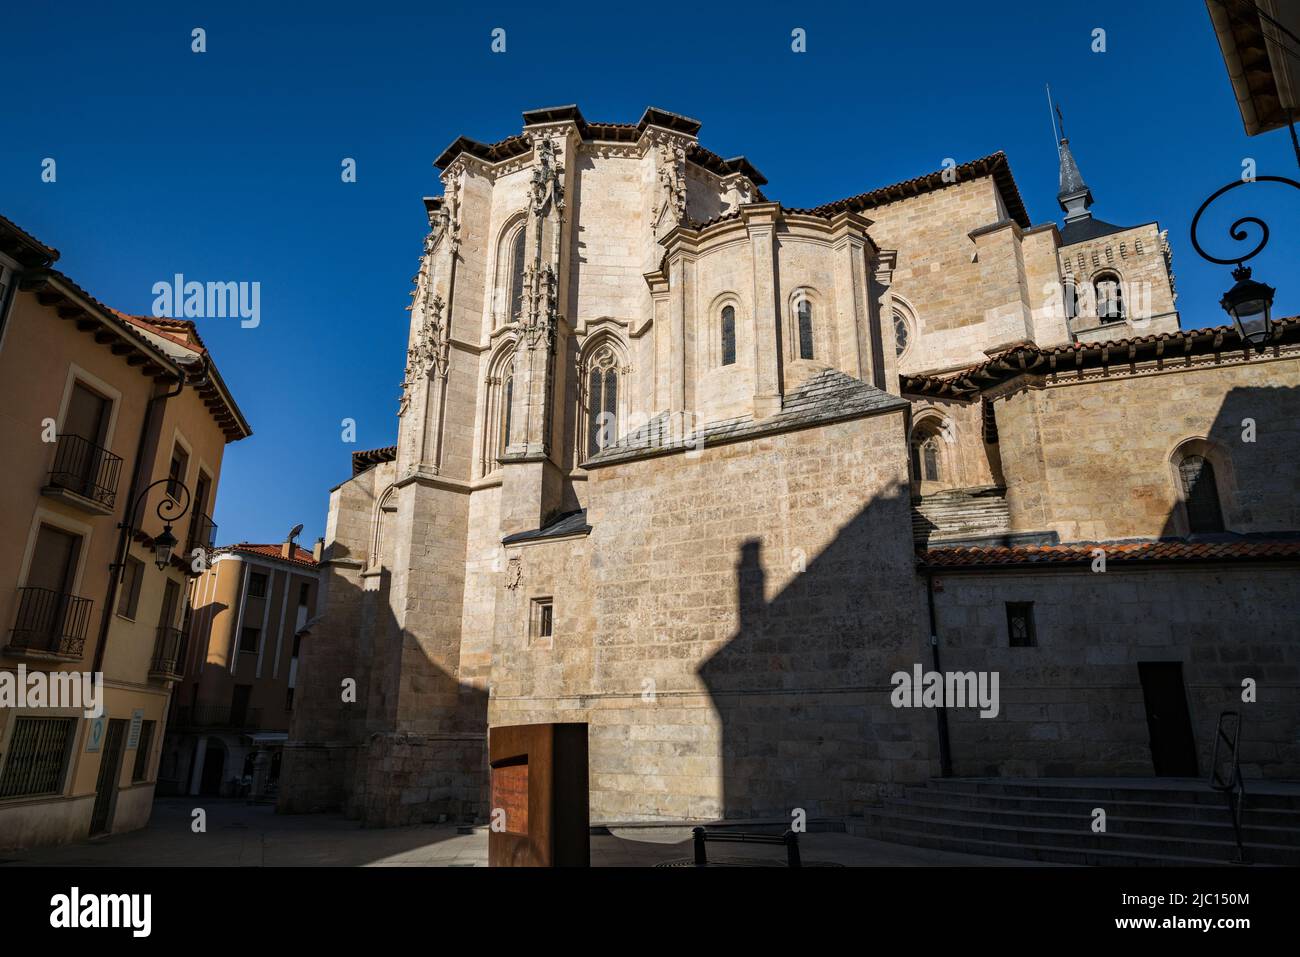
[(707, 472)]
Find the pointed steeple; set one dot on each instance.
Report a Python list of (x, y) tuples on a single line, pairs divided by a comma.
[(1075, 197)]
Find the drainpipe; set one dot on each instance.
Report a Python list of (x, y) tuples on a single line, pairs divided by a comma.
[(945, 748), (154, 405)]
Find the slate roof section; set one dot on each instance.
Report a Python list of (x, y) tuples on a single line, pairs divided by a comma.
[(1081, 553), (1082, 230), (571, 523), (829, 396)]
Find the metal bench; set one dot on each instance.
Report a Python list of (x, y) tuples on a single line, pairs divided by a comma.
[(703, 835)]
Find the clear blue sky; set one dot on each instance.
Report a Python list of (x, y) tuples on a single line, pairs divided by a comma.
[(225, 165)]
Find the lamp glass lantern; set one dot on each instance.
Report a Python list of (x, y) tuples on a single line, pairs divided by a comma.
[(162, 547), (1250, 304)]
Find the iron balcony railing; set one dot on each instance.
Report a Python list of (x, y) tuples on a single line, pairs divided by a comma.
[(216, 716), (203, 533), (168, 652), (50, 621), (82, 467)]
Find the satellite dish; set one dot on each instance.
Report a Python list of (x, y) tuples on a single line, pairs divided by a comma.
[(295, 532)]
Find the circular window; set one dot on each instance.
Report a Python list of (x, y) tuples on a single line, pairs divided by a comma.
[(902, 333)]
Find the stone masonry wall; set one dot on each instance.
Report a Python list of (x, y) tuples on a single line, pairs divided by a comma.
[(729, 627), (1073, 705)]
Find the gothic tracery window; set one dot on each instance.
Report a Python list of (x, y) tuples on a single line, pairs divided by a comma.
[(902, 333), (927, 453), (728, 335), (602, 400)]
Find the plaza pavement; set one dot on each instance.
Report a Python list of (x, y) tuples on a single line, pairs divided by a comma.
[(253, 835)]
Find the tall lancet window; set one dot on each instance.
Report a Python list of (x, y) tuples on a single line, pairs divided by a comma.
[(507, 401), (1200, 494), (804, 311), (728, 335), (517, 275), (497, 411), (602, 400)]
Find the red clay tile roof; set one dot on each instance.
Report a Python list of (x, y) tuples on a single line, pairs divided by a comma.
[(23, 246), (369, 458), (995, 165), (183, 332), (1077, 553), (1029, 358), (301, 555)]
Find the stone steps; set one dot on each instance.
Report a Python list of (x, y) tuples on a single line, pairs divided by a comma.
[(1147, 824), (960, 513)]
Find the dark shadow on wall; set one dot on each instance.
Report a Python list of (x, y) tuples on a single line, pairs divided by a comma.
[(1253, 447), (803, 687), (360, 677)]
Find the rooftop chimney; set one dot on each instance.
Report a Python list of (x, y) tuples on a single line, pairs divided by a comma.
[(318, 550)]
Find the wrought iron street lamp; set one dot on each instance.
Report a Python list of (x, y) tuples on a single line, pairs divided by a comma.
[(172, 508), (1249, 302)]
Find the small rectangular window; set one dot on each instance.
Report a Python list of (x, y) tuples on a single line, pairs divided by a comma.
[(257, 585), (1020, 624), (248, 639), (128, 596), (180, 465), (37, 758), (141, 769), (303, 591), (542, 621)]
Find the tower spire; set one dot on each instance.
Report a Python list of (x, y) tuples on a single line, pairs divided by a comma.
[(1075, 197)]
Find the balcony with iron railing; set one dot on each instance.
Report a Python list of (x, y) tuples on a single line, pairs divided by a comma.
[(216, 716), (203, 533), (168, 654), (49, 623), (84, 475)]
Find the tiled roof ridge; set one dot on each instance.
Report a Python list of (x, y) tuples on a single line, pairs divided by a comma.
[(1280, 546), (301, 556), (364, 459), (1022, 355), (14, 236), (995, 164)]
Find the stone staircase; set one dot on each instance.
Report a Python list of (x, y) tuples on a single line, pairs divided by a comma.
[(1149, 821), (955, 514)]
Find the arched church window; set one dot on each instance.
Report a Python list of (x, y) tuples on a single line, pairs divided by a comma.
[(517, 275), (928, 452), (728, 335), (602, 400), (497, 408), (902, 333), (1110, 297), (805, 314), (1200, 494)]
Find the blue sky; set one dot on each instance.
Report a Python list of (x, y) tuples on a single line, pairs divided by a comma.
[(225, 165)]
